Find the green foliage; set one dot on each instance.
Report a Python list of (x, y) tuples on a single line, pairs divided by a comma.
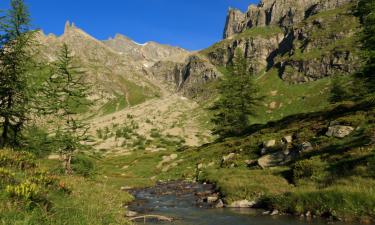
[(17, 159), (340, 91), (65, 94), (37, 141), (6, 177), (27, 191), (366, 9), (83, 165), (16, 57), (237, 101), (313, 169)]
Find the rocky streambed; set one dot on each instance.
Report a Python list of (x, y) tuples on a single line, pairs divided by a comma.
[(185, 203)]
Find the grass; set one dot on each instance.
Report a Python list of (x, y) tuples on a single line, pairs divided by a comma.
[(59, 199), (283, 99)]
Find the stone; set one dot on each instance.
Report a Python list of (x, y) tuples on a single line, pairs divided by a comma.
[(126, 188), (212, 199), (219, 204), (130, 213), (242, 204), (229, 157), (306, 147), (263, 151), (271, 160), (269, 144), (339, 131), (287, 139), (173, 156), (275, 212)]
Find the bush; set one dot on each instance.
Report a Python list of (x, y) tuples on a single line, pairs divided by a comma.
[(27, 191), (18, 159), (6, 177), (83, 165), (313, 169)]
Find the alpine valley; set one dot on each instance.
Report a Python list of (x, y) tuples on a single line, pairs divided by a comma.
[(306, 155)]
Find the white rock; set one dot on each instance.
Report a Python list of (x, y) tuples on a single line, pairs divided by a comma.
[(242, 204)]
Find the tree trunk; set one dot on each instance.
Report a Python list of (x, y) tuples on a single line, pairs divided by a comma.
[(4, 136), (6, 123), (68, 164)]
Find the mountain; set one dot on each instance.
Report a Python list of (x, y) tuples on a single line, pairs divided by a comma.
[(118, 68)]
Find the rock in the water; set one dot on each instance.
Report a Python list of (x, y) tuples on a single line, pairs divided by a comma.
[(242, 204), (275, 212), (212, 199), (130, 213), (339, 131), (271, 160), (219, 204)]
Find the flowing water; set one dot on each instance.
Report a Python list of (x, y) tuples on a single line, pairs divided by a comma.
[(178, 200)]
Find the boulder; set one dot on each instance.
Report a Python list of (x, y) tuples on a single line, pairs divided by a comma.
[(339, 131), (212, 199), (275, 212), (269, 144), (219, 204), (305, 147), (287, 139), (242, 204), (130, 213), (229, 157), (271, 160)]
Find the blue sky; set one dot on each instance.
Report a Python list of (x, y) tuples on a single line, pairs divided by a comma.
[(191, 24)]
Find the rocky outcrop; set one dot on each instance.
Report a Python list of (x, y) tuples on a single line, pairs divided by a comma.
[(284, 13), (304, 40), (188, 77), (323, 45), (258, 49)]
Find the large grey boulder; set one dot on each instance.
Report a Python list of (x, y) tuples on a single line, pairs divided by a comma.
[(271, 160), (339, 131)]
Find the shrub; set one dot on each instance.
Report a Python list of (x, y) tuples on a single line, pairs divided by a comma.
[(20, 160), (313, 169), (27, 191), (6, 177), (83, 165)]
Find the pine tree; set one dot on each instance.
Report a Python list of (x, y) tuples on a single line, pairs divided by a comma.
[(65, 93), (237, 101), (366, 9), (16, 40)]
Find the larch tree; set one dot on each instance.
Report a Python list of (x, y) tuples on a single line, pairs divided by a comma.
[(66, 92), (16, 42), (238, 99)]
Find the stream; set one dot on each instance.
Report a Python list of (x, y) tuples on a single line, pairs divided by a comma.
[(182, 202)]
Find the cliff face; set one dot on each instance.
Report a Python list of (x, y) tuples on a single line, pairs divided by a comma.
[(284, 13), (189, 77), (304, 40)]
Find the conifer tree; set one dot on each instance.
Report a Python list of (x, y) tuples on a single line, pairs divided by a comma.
[(237, 101), (66, 93), (16, 40), (366, 9)]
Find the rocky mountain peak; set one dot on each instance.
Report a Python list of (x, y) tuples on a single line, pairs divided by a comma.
[(284, 13)]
